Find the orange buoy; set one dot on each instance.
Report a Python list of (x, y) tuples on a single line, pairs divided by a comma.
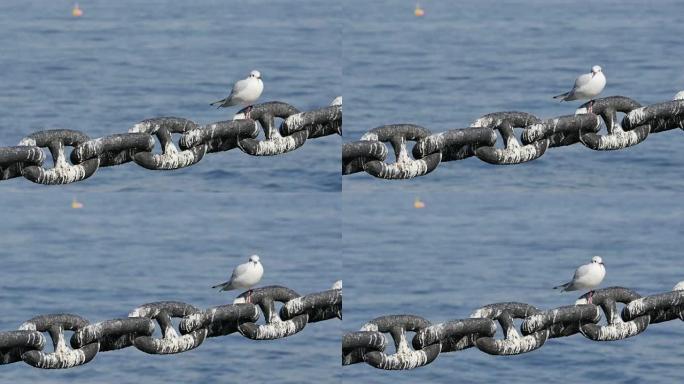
[(419, 11), (76, 11), (75, 204), (418, 204)]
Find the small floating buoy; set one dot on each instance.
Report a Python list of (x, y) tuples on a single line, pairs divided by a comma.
[(418, 11), (76, 12), (418, 204), (75, 204)]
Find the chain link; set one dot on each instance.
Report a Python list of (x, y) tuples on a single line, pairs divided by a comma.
[(27, 343), (430, 340), (369, 153), (88, 155)]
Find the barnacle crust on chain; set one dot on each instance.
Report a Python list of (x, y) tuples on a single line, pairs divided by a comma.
[(536, 138)]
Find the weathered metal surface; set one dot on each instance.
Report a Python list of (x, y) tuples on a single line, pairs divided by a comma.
[(27, 343), (536, 138), (404, 357), (196, 140), (275, 327), (63, 356), (170, 342), (537, 327), (62, 172), (404, 167)]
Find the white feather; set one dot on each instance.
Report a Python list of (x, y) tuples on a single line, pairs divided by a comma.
[(587, 86), (244, 276), (587, 276)]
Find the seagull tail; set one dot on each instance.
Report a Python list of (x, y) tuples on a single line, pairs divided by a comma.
[(562, 286), (219, 102), (224, 286), (562, 96)]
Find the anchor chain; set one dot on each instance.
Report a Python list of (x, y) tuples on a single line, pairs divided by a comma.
[(479, 140), (196, 325), (88, 155), (431, 340)]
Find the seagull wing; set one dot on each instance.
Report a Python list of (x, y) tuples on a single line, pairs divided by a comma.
[(581, 81), (237, 272), (238, 88), (581, 273)]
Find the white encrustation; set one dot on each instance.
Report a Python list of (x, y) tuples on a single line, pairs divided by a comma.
[(587, 276), (587, 87), (244, 276), (245, 92)]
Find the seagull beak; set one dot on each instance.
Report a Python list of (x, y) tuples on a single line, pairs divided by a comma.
[(602, 264)]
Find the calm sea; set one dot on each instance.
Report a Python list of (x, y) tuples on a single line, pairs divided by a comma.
[(122, 250), (468, 249), (126, 61), (510, 233), (468, 58)]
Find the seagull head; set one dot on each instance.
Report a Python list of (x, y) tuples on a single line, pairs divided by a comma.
[(254, 259), (594, 70), (257, 75), (597, 260)]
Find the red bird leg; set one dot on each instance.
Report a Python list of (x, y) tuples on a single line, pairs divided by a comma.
[(249, 109), (249, 296), (591, 293), (591, 104)]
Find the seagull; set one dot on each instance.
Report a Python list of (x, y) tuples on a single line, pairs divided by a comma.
[(587, 86), (587, 276), (244, 276), (245, 92)]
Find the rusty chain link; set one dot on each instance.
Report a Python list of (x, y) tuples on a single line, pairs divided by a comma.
[(369, 153), (430, 340), (27, 343), (196, 140)]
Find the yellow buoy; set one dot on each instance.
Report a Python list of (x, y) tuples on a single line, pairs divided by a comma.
[(76, 12), (419, 11), (418, 204), (75, 204)]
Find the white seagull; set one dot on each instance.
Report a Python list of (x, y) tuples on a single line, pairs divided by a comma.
[(244, 276), (586, 87), (245, 92), (587, 276)]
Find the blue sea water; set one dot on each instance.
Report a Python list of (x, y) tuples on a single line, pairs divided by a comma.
[(468, 58), (509, 233), (122, 250), (126, 61), (468, 249), (136, 240), (488, 233)]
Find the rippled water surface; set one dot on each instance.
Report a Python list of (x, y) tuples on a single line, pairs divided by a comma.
[(126, 61), (466, 250), (123, 250), (469, 58), (487, 233), (509, 233)]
